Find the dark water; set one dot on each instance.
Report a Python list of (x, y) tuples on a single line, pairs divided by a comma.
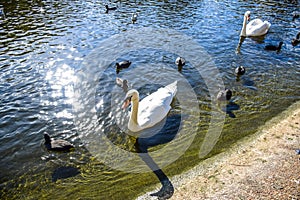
[(56, 54)]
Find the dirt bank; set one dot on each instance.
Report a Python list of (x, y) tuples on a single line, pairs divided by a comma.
[(263, 166)]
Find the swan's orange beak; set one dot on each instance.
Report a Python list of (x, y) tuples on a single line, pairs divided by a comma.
[(248, 18), (126, 103)]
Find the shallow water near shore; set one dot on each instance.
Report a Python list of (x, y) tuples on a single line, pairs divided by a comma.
[(43, 53)]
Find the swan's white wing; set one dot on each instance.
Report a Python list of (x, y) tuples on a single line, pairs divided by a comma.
[(155, 107), (257, 27), (254, 22)]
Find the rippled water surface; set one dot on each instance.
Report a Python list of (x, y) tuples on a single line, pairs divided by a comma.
[(57, 67)]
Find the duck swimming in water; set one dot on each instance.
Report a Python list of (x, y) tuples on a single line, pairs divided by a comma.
[(134, 17), (110, 8), (239, 71), (273, 47), (57, 145), (180, 62), (224, 95), (123, 83), (296, 41), (122, 65)]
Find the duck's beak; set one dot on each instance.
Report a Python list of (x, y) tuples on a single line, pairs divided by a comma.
[(126, 102)]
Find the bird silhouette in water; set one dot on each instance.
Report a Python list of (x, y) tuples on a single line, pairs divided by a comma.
[(274, 47), (224, 95), (134, 17), (122, 65), (57, 145), (239, 71), (110, 8), (295, 15), (296, 41), (180, 62)]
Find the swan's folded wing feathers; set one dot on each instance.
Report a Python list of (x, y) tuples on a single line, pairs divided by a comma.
[(254, 22), (155, 107), (257, 27)]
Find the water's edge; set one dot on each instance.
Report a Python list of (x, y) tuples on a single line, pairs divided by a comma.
[(212, 162)]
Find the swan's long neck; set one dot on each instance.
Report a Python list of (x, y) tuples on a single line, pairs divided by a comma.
[(134, 112), (243, 32)]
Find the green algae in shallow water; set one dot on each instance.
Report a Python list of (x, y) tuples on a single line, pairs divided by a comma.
[(97, 177)]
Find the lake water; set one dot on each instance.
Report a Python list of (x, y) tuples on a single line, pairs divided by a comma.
[(57, 76)]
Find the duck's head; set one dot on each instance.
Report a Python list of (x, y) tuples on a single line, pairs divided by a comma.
[(228, 93), (47, 138), (247, 15), (295, 42), (240, 70), (131, 95)]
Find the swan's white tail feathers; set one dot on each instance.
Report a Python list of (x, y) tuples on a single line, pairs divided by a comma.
[(172, 88), (268, 24)]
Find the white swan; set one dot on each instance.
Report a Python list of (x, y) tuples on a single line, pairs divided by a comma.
[(255, 27), (150, 110)]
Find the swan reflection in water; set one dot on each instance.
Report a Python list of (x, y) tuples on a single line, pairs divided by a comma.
[(238, 48), (165, 135)]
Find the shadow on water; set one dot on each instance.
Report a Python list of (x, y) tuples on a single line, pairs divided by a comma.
[(230, 107), (64, 172), (142, 145), (247, 82)]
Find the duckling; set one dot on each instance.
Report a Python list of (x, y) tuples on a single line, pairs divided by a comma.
[(224, 95), (273, 47), (122, 65), (110, 8), (180, 62), (239, 71), (57, 145), (123, 84), (134, 17)]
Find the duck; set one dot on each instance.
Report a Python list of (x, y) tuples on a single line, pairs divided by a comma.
[(57, 145), (240, 70), (255, 27), (180, 62), (274, 47), (224, 95), (296, 41), (134, 17), (110, 8), (150, 110), (122, 65), (295, 15), (123, 83)]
